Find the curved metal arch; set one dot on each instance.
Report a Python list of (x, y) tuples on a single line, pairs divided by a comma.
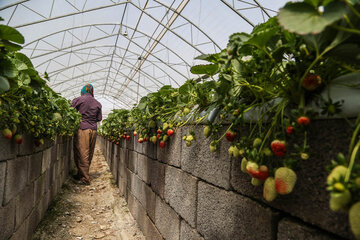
[(117, 62)]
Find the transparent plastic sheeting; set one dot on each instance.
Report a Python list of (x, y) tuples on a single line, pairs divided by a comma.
[(127, 49)]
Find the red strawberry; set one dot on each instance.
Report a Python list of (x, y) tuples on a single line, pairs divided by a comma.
[(170, 132), (7, 133), (159, 131), (128, 137), (141, 140), (18, 139), (311, 82), (158, 136), (230, 135), (162, 144), (134, 133), (124, 136), (289, 130), (278, 147), (303, 120), (285, 179)]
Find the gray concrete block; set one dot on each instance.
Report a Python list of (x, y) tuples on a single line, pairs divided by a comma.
[(27, 147), (2, 181), (143, 168), (46, 159), (122, 183), (22, 232), (7, 220), (157, 177), (132, 161), (171, 154), (167, 220), (16, 177), (200, 162), (138, 147), (8, 149), (115, 162), (226, 215), (24, 204), (309, 194), (35, 168), (181, 193), (187, 232), (122, 166), (289, 229), (150, 150), (39, 188)]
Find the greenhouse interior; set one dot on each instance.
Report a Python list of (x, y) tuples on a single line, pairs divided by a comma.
[(179, 119)]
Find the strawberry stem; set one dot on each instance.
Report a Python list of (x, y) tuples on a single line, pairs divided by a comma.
[(226, 132), (352, 161), (353, 138)]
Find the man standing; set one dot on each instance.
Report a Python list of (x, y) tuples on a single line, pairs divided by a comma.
[(85, 139)]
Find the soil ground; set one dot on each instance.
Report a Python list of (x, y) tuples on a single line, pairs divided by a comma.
[(83, 212)]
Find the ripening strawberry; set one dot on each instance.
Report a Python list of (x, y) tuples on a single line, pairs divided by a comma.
[(128, 137), (289, 130), (257, 142), (339, 200), (269, 192), (159, 131), (134, 133), (278, 147), (207, 131), (153, 139), (158, 136), (13, 130), (354, 219), (311, 82), (337, 173), (18, 139), (303, 121), (256, 182), (252, 167), (230, 136), (162, 144), (7, 133), (170, 132), (141, 140), (285, 179)]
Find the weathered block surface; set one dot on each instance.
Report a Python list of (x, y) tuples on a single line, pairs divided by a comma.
[(166, 220), (226, 215), (143, 168), (187, 233), (8, 149), (181, 193), (24, 204), (200, 162), (46, 159), (292, 230), (7, 220), (2, 181), (16, 177), (35, 162), (132, 161), (171, 154), (27, 146), (149, 149), (157, 177)]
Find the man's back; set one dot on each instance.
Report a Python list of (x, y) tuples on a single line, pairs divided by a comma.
[(90, 109)]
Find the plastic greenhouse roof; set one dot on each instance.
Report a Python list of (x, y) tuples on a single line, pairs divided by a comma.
[(127, 49)]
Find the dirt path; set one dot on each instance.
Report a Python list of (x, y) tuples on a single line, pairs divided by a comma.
[(89, 212)]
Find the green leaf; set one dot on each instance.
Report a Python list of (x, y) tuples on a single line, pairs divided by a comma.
[(11, 34), (209, 69), (22, 57), (4, 84), (12, 47), (303, 18), (20, 66), (8, 69), (209, 57), (24, 78), (260, 39), (346, 53)]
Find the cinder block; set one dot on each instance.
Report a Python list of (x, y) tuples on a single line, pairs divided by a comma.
[(39, 188), (149, 149), (167, 220), (35, 168), (22, 232), (122, 183), (7, 220), (200, 162), (8, 149), (171, 154), (122, 166), (138, 147), (143, 168), (16, 177), (309, 195), (226, 215), (46, 159), (24, 204), (181, 193), (289, 229), (115, 162), (187, 233), (132, 163), (27, 146), (2, 181), (157, 177)]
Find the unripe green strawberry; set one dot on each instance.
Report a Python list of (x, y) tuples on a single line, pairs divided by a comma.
[(184, 137), (236, 152), (213, 146), (269, 189), (186, 111), (357, 182), (189, 138), (243, 164), (304, 156), (231, 150), (165, 138), (18, 139), (339, 186), (165, 126), (207, 131), (257, 142), (267, 152), (153, 139), (354, 219), (7, 133), (285, 179), (188, 143), (13, 130), (339, 200), (256, 182), (152, 124), (336, 174)]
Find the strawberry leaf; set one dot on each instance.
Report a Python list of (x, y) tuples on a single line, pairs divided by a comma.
[(11, 34), (209, 69), (4, 84)]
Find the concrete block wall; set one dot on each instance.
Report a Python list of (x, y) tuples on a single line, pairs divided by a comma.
[(182, 192), (30, 178)]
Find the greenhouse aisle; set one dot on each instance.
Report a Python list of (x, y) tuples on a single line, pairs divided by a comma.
[(89, 212)]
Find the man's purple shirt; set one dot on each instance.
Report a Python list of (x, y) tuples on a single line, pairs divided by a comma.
[(90, 109)]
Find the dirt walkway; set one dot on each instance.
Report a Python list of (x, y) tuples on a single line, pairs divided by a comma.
[(89, 212)]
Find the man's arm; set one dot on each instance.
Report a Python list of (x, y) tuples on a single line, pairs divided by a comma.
[(99, 114)]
